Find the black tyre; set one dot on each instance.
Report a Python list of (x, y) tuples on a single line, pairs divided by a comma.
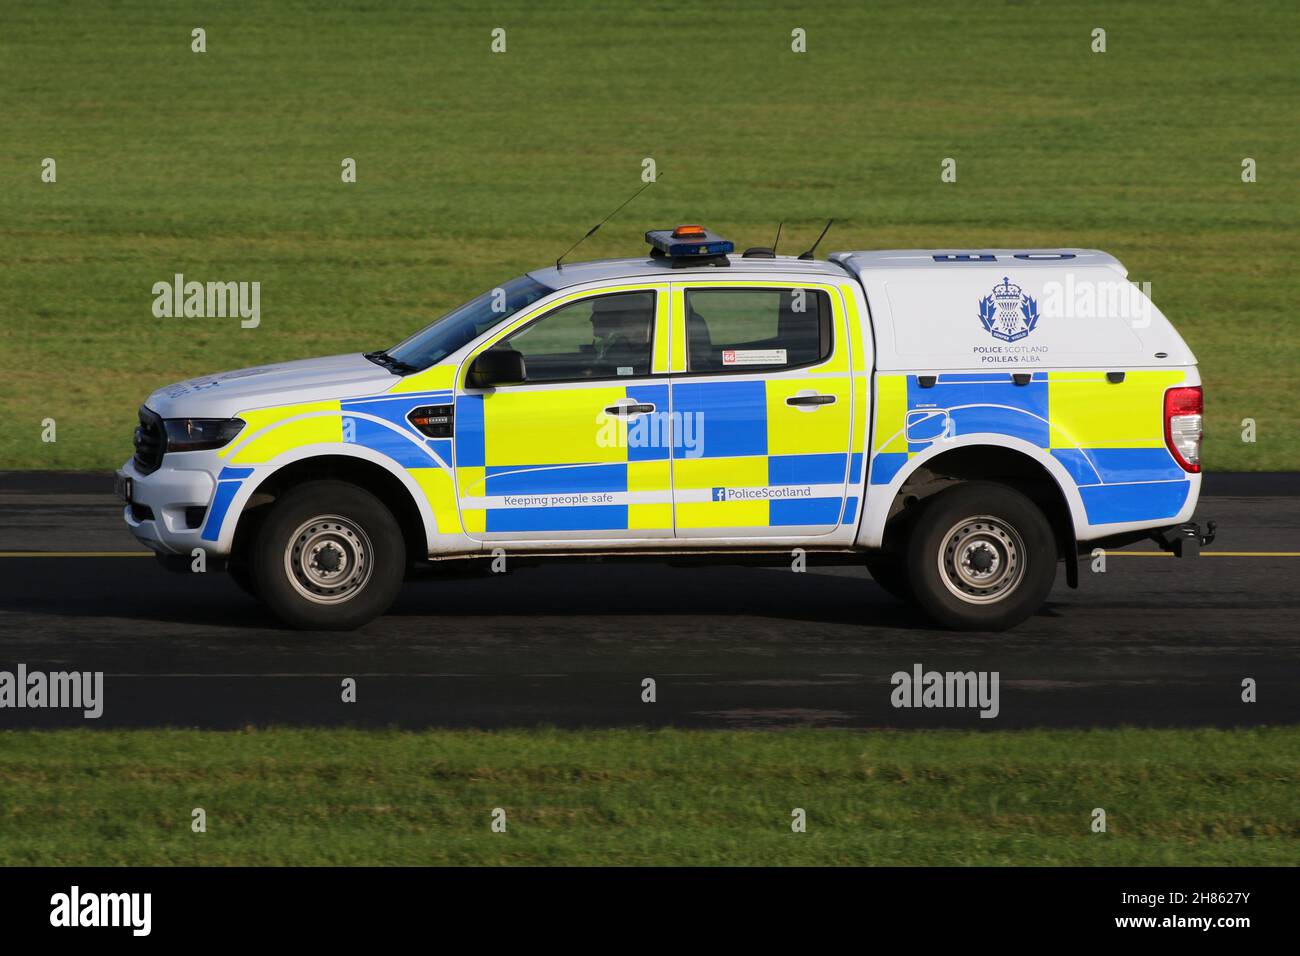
[(242, 574), (329, 556), (981, 557), (891, 574)]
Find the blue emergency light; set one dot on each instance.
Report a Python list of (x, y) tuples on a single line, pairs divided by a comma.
[(687, 242)]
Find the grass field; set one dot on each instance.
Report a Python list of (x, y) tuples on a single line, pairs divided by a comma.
[(642, 797), (473, 167)]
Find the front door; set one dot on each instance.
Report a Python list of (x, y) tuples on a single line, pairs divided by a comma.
[(762, 411), (580, 450)]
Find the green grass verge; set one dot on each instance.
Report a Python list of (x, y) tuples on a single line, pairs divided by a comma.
[(650, 797), (473, 167)]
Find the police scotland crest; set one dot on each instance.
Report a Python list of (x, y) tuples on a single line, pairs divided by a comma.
[(1007, 313)]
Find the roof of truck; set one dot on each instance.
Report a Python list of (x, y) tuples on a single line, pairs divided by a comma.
[(958, 258), (599, 270), (574, 273)]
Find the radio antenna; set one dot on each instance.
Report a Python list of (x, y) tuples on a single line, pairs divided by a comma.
[(777, 240), (809, 253), (592, 231)]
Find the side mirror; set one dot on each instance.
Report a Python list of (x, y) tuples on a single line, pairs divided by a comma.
[(496, 367)]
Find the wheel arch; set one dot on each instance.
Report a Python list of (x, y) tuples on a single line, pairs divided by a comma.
[(939, 468), (382, 478)]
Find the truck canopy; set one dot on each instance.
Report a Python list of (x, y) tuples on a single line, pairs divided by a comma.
[(935, 310)]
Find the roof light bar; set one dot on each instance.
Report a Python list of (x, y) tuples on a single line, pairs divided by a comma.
[(688, 242)]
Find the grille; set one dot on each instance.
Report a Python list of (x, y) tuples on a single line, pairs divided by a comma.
[(150, 442)]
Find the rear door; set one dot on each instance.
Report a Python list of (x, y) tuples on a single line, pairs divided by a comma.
[(762, 404)]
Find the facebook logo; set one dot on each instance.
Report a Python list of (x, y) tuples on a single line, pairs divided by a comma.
[(719, 494)]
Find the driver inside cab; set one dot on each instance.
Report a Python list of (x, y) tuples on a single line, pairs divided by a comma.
[(621, 330)]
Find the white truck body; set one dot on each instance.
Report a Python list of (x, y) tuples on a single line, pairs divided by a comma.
[(1048, 357)]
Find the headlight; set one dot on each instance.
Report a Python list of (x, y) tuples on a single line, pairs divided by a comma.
[(198, 434)]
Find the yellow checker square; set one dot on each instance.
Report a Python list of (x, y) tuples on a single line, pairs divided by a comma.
[(322, 424), (471, 482), (475, 520), (1087, 411), (723, 514), (650, 517), (861, 407), (430, 380), (891, 411), (795, 431), (745, 472), (748, 472), (553, 427), (438, 489), (649, 475)]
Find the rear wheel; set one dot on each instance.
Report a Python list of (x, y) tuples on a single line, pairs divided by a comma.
[(329, 556), (981, 557)]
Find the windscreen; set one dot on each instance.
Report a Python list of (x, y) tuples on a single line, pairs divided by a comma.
[(462, 325)]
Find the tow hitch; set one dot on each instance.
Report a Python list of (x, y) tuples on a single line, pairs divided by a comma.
[(1185, 540)]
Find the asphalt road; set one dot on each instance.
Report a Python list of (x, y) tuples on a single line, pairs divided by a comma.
[(1152, 641)]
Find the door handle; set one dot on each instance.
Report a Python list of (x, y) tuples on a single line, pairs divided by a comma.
[(629, 410), (810, 400)]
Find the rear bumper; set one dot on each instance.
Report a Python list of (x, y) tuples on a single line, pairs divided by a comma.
[(1183, 540)]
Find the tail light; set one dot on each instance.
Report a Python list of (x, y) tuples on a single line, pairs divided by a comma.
[(1184, 426)]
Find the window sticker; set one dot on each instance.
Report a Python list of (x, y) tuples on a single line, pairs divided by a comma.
[(753, 357)]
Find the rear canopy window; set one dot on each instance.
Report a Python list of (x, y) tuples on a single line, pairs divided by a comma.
[(748, 330)]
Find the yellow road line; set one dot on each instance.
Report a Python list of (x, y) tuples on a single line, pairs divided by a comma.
[(1207, 554), (76, 554)]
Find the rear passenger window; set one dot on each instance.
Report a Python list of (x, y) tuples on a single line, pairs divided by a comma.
[(749, 330)]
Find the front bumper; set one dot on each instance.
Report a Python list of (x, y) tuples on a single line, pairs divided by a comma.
[(164, 504)]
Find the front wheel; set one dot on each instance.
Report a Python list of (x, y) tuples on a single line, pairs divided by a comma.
[(329, 556), (242, 575), (981, 557)]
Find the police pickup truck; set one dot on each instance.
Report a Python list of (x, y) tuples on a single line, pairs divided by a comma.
[(960, 422)]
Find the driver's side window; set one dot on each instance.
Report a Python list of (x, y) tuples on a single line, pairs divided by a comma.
[(607, 336)]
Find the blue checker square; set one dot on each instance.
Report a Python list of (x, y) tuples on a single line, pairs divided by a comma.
[(806, 511), (733, 417), (471, 444), (593, 518), (822, 469)]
